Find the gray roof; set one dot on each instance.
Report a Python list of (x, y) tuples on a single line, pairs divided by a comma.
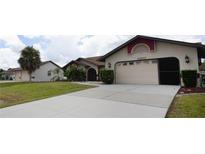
[(42, 63), (93, 60)]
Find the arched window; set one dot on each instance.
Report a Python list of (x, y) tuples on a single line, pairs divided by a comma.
[(140, 48)]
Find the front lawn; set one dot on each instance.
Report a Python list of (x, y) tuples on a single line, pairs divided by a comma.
[(190, 106), (17, 93)]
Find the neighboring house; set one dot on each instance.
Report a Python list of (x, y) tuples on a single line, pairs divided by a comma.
[(90, 65), (10, 74), (150, 60), (48, 71)]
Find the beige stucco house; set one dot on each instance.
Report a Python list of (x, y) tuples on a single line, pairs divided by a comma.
[(149, 60), (91, 66), (48, 71)]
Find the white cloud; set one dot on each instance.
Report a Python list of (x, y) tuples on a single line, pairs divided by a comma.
[(12, 42), (43, 54), (8, 58), (61, 49), (99, 45), (32, 36), (9, 54)]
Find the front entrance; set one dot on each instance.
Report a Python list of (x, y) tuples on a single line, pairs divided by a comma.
[(169, 73), (91, 74)]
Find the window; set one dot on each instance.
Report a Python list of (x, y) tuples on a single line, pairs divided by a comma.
[(49, 73), (109, 65), (124, 64), (131, 63), (146, 61), (154, 61)]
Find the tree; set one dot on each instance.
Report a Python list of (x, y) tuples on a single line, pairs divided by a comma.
[(29, 60), (56, 72), (107, 76), (1, 73), (202, 67), (75, 74)]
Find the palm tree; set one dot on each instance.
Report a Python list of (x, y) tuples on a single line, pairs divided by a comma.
[(29, 60)]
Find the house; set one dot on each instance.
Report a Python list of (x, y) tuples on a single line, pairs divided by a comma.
[(150, 60), (10, 74), (91, 65), (48, 71)]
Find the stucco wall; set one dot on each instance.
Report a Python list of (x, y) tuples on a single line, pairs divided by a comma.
[(41, 74), (21, 76), (91, 66), (162, 50)]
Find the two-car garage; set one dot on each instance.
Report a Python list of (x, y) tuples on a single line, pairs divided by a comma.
[(163, 71), (137, 72)]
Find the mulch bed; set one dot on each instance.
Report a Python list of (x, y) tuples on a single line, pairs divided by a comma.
[(191, 90)]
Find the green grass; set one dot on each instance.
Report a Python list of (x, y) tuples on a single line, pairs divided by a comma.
[(190, 106), (17, 93)]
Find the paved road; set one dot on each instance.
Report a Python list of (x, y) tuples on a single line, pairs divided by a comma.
[(7, 81), (104, 101)]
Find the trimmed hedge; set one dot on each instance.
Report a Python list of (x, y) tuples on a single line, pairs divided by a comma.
[(75, 74), (107, 76), (189, 78)]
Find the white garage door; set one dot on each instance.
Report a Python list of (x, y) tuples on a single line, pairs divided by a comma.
[(138, 72)]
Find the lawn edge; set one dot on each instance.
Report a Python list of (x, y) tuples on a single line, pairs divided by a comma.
[(90, 86), (172, 103)]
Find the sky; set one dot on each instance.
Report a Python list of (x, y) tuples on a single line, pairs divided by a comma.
[(63, 48)]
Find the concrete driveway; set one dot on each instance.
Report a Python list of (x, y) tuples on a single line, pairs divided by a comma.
[(104, 101)]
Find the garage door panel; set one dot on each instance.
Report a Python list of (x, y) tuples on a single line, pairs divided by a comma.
[(143, 72)]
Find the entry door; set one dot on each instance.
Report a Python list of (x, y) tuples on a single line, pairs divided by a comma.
[(137, 72), (169, 73), (91, 74)]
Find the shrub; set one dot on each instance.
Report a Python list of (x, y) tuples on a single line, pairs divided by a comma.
[(107, 76), (189, 78), (6, 77), (75, 74)]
